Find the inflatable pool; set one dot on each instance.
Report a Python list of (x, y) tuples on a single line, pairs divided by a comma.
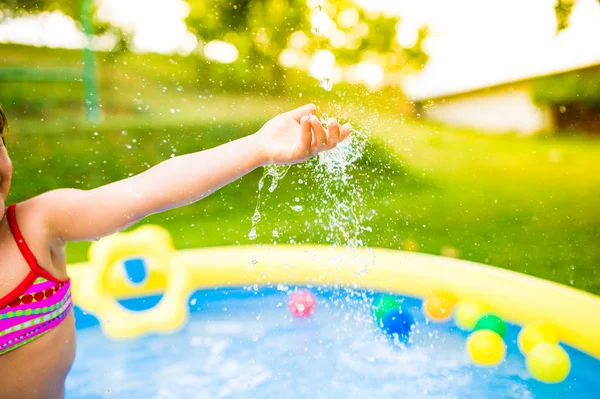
[(312, 322)]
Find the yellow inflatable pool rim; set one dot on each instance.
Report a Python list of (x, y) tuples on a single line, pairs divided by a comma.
[(574, 315)]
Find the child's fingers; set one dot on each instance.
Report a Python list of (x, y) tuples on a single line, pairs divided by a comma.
[(333, 133), (305, 134), (345, 131), (305, 110), (320, 137)]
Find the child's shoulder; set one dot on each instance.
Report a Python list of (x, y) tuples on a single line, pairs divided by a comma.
[(30, 217)]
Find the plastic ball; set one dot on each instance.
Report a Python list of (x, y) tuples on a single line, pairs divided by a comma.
[(533, 334), (398, 324), (302, 303), (466, 314), (486, 348), (393, 318), (384, 305), (548, 363), (491, 322), (438, 307)]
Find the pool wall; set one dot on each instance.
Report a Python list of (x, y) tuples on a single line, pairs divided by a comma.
[(516, 297)]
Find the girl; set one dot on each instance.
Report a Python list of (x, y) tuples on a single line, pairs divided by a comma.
[(37, 334)]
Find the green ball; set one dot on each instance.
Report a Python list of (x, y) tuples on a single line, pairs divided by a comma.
[(385, 305), (491, 322)]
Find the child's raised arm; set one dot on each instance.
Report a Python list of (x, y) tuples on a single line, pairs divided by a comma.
[(73, 215)]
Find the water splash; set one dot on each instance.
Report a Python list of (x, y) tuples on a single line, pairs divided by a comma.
[(341, 197), (339, 203), (276, 172), (326, 84)]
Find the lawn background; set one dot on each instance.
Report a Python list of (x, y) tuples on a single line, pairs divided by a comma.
[(525, 204)]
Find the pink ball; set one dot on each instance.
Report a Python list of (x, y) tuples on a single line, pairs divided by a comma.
[(302, 303)]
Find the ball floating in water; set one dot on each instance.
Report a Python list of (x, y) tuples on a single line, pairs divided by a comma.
[(302, 303), (548, 363), (486, 348), (467, 313), (393, 317), (490, 321), (533, 334), (399, 324), (438, 307), (384, 305)]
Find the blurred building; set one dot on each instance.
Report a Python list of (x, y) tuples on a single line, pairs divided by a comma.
[(567, 99)]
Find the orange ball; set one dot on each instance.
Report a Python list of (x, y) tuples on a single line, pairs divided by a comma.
[(439, 307)]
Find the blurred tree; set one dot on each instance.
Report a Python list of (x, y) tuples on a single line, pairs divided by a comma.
[(72, 8), (15, 7), (282, 34), (262, 31), (563, 9), (578, 87)]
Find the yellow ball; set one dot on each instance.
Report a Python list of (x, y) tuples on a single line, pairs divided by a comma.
[(486, 348), (533, 334), (466, 314), (438, 307), (548, 363)]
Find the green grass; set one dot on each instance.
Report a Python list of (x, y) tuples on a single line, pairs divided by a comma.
[(525, 204), (530, 205), (164, 89)]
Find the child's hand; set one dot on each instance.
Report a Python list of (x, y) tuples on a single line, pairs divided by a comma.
[(298, 135)]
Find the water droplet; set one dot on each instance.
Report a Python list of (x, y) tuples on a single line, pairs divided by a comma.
[(193, 301), (300, 307), (326, 84), (255, 287), (252, 235), (275, 233), (281, 287), (277, 173), (297, 208)]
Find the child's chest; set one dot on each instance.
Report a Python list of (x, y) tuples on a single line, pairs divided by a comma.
[(13, 268)]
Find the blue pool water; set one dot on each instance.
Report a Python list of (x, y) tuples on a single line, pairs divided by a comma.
[(243, 343)]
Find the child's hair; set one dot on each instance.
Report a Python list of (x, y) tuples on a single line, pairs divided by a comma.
[(3, 122)]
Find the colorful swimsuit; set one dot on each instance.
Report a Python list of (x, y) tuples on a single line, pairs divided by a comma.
[(35, 306)]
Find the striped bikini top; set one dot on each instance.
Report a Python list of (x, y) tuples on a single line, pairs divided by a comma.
[(35, 306)]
